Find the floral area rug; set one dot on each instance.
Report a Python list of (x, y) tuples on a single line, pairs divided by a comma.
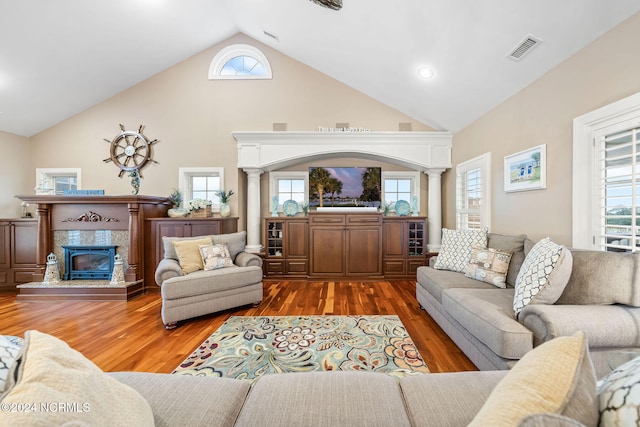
[(248, 347)]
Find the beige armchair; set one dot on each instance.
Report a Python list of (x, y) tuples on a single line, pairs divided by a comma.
[(195, 293)]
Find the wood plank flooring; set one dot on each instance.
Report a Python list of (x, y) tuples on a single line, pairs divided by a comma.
[(130, 336)]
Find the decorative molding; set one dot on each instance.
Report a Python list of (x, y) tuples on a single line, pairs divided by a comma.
[(91, 217), (275, 150)]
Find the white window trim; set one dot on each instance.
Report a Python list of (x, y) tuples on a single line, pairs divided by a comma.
[(484, 163), (43, 175), (230, 52), (184, 181), (618, 115), (273, 185), (414, 176)]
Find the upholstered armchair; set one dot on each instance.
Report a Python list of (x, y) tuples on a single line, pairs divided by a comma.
[(207, 274)]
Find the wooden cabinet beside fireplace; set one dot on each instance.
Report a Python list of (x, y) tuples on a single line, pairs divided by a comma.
[(156, 228), (18, 261)]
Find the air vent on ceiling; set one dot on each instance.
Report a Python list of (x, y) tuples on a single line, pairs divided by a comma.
[(273, 36), (524, 48)]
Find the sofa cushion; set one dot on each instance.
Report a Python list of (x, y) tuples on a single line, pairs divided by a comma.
[(603, 278), (513, 244), (236, 242), (447, 399), (487, 315), (543, 276), (169, 247), (184, 400), (619, 396), (489, 265), (436, 281), (556, 378), (49, 372), (215, 256), (324, 399), (455, 252), (188, 252), (206, 282)]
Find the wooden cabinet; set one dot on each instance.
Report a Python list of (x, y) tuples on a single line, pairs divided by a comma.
[(404, 245), (156, 228), (365, 245), (287, 246), (346, 244), (18, 260)]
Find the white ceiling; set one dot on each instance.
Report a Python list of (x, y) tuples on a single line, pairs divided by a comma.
[(59, 57)]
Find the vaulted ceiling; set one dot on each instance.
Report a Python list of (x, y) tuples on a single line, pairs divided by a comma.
[(60, 57)]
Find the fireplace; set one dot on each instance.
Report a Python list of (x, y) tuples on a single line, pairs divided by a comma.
[(88, 262)]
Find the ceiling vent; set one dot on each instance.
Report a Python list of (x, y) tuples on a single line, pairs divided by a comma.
[(524, 48)]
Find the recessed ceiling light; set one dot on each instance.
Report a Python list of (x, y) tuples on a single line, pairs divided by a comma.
[(426, 72)]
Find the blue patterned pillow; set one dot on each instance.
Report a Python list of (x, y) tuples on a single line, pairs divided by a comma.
[(9, 348)]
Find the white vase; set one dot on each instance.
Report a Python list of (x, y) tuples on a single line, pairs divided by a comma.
[(225, 210), (177, 212)]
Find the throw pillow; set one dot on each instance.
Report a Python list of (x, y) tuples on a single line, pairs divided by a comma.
[(619, 396), (188, 252), (544, 274), (556, 377), (455, 251), (56, 385), (215, 256), (9, 348), (489, 265)]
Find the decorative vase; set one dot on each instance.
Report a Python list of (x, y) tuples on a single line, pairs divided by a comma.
[(177, 212), (225, 210)]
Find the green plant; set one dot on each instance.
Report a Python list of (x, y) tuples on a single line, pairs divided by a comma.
[(176, 197), (224, 195)]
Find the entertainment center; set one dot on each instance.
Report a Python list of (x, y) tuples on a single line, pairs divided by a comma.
[(340, 245)]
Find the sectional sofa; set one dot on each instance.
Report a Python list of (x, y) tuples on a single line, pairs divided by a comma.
[(601, 298), (552, 385)]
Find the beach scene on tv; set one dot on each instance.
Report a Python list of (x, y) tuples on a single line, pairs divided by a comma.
[(344, 187)]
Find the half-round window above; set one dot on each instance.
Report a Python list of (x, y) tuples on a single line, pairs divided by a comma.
[(240, 61)]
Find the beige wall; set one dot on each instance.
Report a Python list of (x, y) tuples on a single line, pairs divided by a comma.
[(193, 118), (542, 113), (15, 174)]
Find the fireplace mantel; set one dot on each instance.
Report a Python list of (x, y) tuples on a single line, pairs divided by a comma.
[(96, 213)]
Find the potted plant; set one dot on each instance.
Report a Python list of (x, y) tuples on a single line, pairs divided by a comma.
[(225, 209), (177, 211)]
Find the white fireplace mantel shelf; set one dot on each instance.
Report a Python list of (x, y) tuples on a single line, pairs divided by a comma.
[(258, 152)]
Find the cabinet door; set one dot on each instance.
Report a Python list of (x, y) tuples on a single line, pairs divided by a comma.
[(297, 238), (364, 254), (327, 251), (5, 244), (393, 237), (24, 243), (204, 228)]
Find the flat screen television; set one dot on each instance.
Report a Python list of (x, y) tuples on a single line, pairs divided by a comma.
[(345, 187)]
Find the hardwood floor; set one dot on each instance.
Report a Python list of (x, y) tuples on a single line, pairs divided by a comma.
[(130, 336)]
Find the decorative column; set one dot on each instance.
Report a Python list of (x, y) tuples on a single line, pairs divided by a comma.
[(253, 210), (133, 273), (434, 215), (45, 245)]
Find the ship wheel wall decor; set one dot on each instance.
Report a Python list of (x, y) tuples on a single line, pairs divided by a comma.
[(130, 150)]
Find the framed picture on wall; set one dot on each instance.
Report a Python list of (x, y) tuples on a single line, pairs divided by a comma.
[(526, 170)]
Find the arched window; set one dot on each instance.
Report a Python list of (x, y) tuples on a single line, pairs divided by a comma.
[(239, 61)]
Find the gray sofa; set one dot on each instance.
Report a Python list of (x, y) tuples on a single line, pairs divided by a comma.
[(601, 298), (201, 292), (522, 396)]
